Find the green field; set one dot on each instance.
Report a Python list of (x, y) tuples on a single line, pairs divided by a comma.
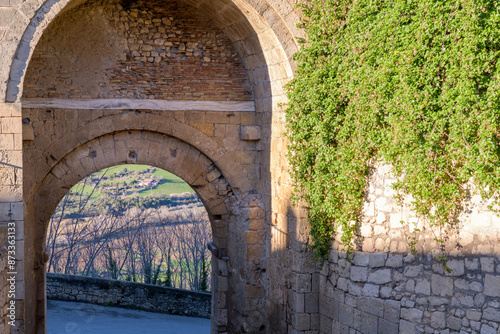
[(170, 184)]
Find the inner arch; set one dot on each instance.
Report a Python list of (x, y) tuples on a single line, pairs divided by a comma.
[(130, 147)]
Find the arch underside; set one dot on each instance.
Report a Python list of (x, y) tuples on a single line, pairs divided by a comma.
[(137, 147)]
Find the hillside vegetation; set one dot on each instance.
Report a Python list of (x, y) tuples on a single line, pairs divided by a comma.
[(132, 222)]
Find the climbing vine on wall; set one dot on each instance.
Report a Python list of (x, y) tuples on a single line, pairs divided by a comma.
[(412, 83)]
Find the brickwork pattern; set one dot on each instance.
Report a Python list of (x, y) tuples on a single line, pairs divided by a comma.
[(263, 32), (155, 50)]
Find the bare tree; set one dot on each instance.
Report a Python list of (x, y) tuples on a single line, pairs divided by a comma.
[(118, 237)]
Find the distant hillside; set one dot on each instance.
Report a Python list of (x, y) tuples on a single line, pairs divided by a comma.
[(142, 180)]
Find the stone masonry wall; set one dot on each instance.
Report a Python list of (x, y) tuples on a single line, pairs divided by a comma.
[(154, 50), (384, 288), (398, 293), (141, 296)]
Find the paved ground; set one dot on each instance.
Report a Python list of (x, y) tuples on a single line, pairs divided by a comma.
[(81, 318)]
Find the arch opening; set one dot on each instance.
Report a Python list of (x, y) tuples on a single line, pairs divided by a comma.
[(194, 167), (134, 223)]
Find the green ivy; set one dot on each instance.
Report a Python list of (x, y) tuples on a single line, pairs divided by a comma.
[(411, 83)]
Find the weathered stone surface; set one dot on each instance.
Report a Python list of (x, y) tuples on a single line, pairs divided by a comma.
[(359, 274), (473, 315), (423, 286), (454, 323), (369, 323), (492, 285), (406, 327), (411, 314), (373, 306), (457, 267), (361, 259), (370, 290), (250, 132), (381, 276), (387, 327), (377, 260), (491, 313), (441, 286), (346, 314), (392, 310), (413, 271), (487, 264), (486, 329), (438, 319), (394, 261)]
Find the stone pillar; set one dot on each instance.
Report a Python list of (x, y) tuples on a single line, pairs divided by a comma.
[(11, 219)]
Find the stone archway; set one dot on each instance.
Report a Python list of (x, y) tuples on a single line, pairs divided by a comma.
[(244, 143), (150, 148)]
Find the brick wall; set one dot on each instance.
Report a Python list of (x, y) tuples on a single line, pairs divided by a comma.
[(148, 50)]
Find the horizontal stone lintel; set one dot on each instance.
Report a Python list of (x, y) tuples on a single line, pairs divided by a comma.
[(174, 105)]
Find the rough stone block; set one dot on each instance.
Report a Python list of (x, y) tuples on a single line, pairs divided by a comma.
[(492, 285), (412, 314), (387, 327), (472, 264), (491, 313), (486, 329), (343, 284), (454, 323), (6, 16), (311, 302), (302, 283), (423, 286), (441, 286), (457, 267), (325, 324), (355, 289), (296, 301), (487, 264), (374, 306), (392, 310), (473, 315), (394, 261), (381, 276), (438, 319), (361, 259), (346, 314), (250, 132), (359, 274), (370, 290), (407, 327), (413, 271), (377, 260), (369, 323), (301, 321)]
